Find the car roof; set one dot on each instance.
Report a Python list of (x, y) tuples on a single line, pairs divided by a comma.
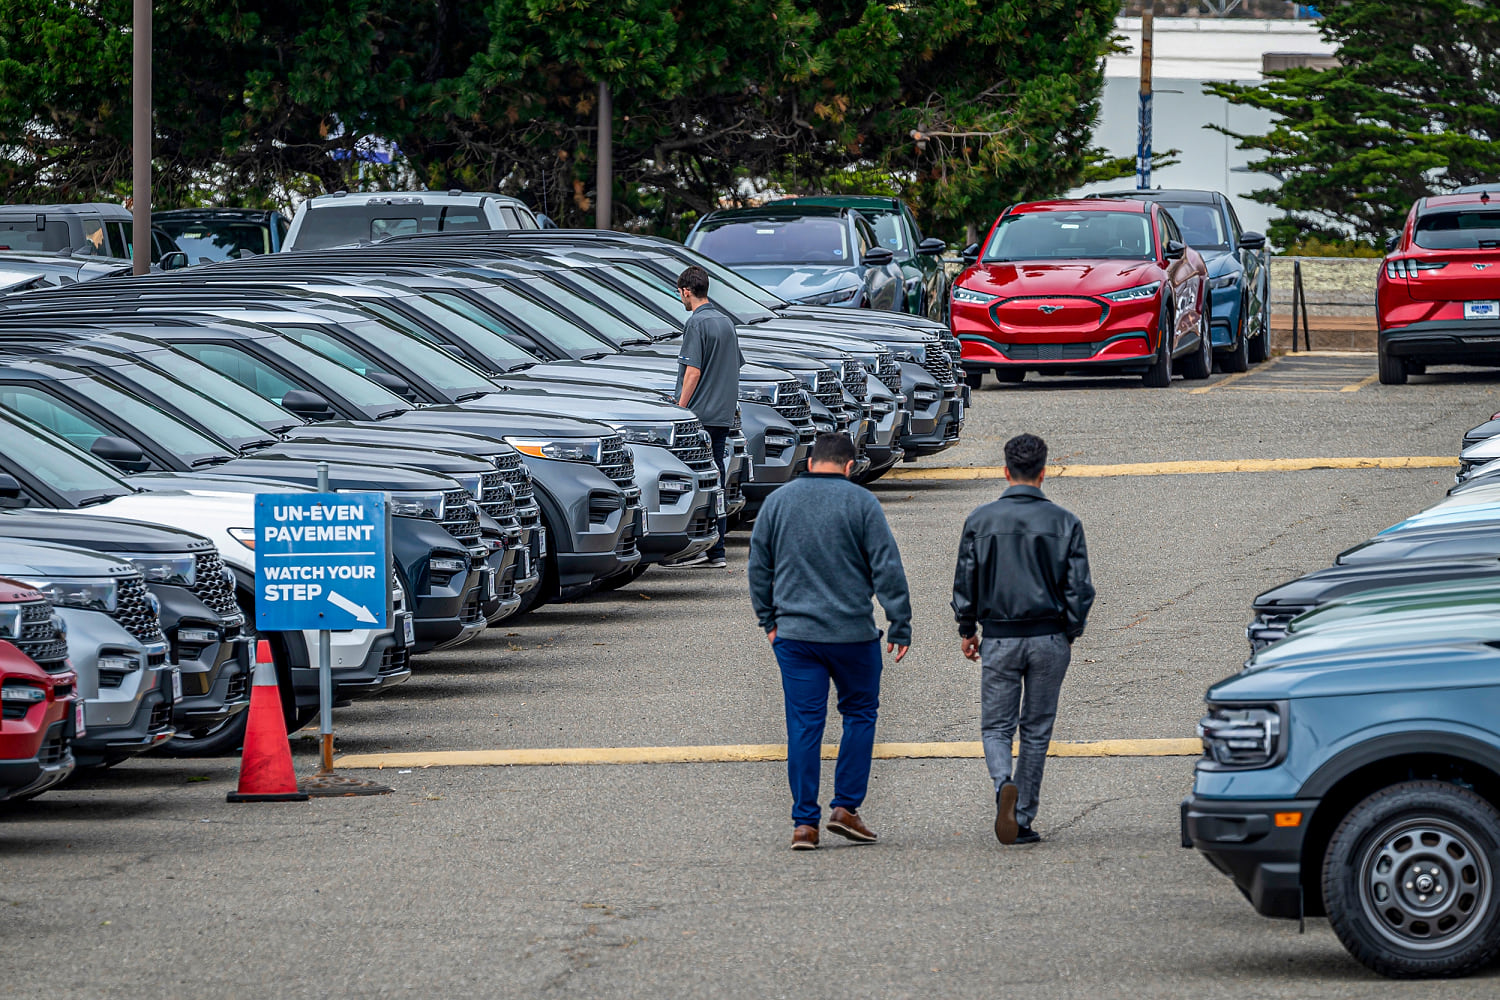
[(106, 209), (453, 196), (857, 201), (771, 212), (215, 213), (1187, 196), (1442, 201), (1079, 204)]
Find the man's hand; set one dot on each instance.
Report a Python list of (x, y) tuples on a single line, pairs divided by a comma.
[(971, 647), (900, 651), (771, 637)]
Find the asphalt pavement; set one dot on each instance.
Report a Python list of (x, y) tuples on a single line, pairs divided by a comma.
[(675, 879)]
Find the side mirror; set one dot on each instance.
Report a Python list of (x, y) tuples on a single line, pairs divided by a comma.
[(173, 261), (1174, 250), (932, 247), (10, 492), (122, 453), (394, 383), (970, 253), (1391, 242), (244, 252), (1253, 240), (877, 257), (307, 405)]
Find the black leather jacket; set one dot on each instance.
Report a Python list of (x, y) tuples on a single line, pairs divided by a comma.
[(1022, 569)]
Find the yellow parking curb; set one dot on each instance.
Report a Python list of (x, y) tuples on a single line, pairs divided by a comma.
[(1184, 468), (751, 752)]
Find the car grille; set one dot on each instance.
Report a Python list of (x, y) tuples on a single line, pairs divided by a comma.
[(39, 639), (210, 586), (161, 716), (795, 409), (513, 468), (459, 516), (394, 660), (617, 462), (134, 612), (855, 383), (496, 498), (694, 447), (889, 373), (1050, 352), (828, 390), (937, 363), (54, 749), (473, 609), (952, 346)]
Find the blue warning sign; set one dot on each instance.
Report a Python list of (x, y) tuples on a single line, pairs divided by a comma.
[(321, 561)]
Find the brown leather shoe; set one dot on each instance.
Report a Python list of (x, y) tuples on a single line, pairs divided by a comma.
[(805, 838), (846, 823), (1006, 827)]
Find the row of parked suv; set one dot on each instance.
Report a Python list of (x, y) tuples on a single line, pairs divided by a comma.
[(1352, 768), (509, 391)]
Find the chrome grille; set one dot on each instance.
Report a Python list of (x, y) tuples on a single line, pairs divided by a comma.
[(459, 515), (935, 362), (854, 380), (496, 498), (134, 612), (39, 639), (952, 346), (693, 446), (513, 468), (828, 390), (617, 462), (793, 404), (211, 587), (889, 373)]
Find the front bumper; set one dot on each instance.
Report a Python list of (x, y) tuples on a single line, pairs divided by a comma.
[(1241, 838), (1128, 351), (150, 726)]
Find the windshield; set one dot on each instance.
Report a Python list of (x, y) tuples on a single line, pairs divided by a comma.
[(740, 297), (217, 239), (217, 419), (1202, 225), (1470, 230), (568, 336), (344, 224), (599, 320), (231, 393), (596, 284), (1071, 236), (432, 365), (76, 475), (800, 240), (459, 325), (888, 230)]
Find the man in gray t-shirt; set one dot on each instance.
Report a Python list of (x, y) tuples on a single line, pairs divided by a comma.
[(708, 376)]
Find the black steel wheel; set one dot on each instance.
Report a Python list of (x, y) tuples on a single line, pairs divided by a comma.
[(1409, 880)]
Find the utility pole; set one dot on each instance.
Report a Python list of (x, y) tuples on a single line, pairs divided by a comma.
[(604, 178), (1143, 140), (140, 138)]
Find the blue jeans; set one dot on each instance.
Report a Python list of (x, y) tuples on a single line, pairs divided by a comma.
[(806, 668), (1020, 679)]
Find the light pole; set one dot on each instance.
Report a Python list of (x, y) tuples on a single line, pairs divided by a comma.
[(1143, 140), (140, 138), (604, 200)]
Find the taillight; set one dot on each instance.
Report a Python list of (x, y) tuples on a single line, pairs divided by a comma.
[(1406, 267)]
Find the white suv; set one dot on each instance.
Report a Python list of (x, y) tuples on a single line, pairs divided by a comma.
[(347, 219)]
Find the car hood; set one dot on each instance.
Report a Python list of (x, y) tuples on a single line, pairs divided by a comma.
[(1379, 632), (107, 534), (1455, 662), (798, 281), (1392, 609), (21, 560), (523, 399), (1064, 277), (1467, 541), (1339, 582), (824, 315)]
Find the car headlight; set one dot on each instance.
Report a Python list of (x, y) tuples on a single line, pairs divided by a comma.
[(661, 435), (469, 481), (179, 571), (86, 595), (10, 621), (760, 392), (914, 356), (1242, 736), (778, 439), (245, 536), (589, 450), (924, 397), (1135, 294), (1224, 280), (829, 298), (417, 503), (972, 297), (881, 407), (28, 694)]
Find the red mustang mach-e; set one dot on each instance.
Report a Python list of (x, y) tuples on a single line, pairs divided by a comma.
[(1083, 287)]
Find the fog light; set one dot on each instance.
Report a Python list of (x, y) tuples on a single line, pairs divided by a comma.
[(201, 636), (22, 692), (124, 664), (448, 565)]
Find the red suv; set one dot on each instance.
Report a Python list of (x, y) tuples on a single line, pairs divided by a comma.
[(1083, 285), (39, 707), (1438, 294)]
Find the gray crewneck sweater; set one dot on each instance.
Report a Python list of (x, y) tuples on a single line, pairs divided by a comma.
[(820, 550)]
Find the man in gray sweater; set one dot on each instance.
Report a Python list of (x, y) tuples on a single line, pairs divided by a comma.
[(820, 550)]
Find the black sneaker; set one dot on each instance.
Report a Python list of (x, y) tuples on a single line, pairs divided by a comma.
[(1026, 835), (1005, 813)]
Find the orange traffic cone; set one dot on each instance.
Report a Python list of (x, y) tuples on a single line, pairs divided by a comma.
[(266, 773)]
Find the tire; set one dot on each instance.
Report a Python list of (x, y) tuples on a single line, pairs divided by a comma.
[(1010, 376), (973, 379), (218, 741), (1398, 837), (1260, 344), (1392, 369), (1159, 375), (1200, 364), (1238, 358)]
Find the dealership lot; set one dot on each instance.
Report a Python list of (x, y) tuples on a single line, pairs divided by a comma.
[(674, 878)]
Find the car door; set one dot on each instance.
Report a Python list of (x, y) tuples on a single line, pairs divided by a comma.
[(1257, 287), (882, 281), (935, 281), (1184, 276)]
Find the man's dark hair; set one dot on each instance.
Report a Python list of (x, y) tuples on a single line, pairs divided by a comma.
[(1025, 456), (695, 280), (832, 448)]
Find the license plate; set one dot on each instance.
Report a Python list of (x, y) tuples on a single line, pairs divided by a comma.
[(1482, 310), (720, 509), (176, 685), (408, 633), (958, 409), (79, 729), (541, 541), (524, 561), (489, 583)]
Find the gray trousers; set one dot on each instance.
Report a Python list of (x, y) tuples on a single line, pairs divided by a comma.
[(1019, 682)]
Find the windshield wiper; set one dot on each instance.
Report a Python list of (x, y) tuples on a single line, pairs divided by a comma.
[(209, 460), (101, 498), (596, 357), (472, 395), (389, 413)]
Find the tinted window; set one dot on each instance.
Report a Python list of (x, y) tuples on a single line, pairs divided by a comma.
[(599, 321), (556, 328), (889, 232), (74, 474), (216, 418), (338, 225), (431, 364), (1071, 235), (18, 234), (811, 240), (119, 238), (217, 239), (231, 392), (82, 430), (249, 371), (1466, 230), (1201, 226)]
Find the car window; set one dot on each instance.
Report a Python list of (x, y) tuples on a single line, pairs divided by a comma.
[(119, 239), (1199, 226), (79, 429), (890, 232), (636, 314), (23, 234), (597, 321), (1071, 235), (95, 241), (248, 370), (459, 327), (509, 217), (338, 225), (230, 391), (552, 325), (216, 417), (1169, 227), (808, 240), (76, 476), (426, 361), (864, 235), (1461, 230), (217, 239), (175, 436), (1234, 221)]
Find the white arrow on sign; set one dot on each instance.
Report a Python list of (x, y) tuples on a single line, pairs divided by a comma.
[(359, 611)]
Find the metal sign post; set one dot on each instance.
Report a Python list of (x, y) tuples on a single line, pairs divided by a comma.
[(322, 563)]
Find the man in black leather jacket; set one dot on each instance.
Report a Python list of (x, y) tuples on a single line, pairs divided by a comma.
[(1023, 577)]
